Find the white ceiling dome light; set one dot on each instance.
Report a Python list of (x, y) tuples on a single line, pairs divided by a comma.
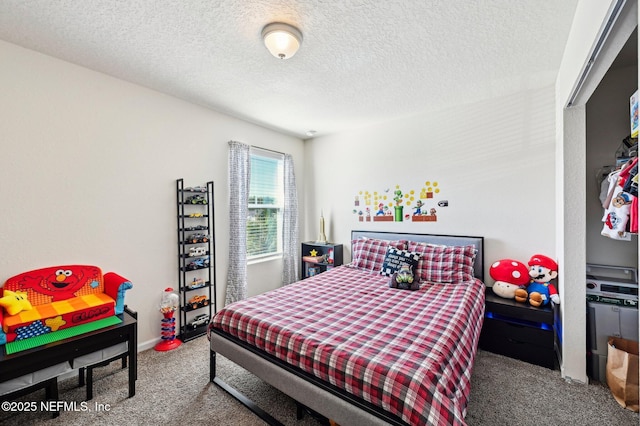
[(282, 40)]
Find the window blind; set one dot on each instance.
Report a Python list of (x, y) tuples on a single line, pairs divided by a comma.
[(266, 194)]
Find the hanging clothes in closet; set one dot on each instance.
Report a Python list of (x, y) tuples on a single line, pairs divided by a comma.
[(621, 203)]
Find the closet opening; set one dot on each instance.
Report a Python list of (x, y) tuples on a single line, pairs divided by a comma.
[(611, 213)]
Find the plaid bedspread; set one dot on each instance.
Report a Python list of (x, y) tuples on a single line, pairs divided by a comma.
[(409, 352)]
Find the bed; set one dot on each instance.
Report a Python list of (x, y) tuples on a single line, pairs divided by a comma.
[(346, 345)]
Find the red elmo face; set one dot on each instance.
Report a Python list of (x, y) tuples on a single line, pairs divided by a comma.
[(64, 280)]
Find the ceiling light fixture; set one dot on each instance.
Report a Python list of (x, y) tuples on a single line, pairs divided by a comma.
[(282, 40)]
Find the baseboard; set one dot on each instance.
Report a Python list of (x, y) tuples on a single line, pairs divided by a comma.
[(147, 345)]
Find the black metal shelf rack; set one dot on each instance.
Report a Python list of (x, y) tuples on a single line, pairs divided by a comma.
[(196, 260)]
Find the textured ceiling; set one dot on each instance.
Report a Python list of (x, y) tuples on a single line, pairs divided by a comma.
[(361, 61)]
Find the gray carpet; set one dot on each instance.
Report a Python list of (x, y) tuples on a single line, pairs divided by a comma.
[(173, 388)]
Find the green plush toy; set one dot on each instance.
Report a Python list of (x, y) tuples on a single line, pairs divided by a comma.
[(403, 279)]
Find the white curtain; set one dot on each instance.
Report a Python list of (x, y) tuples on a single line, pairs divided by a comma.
[(290, 224), (239, 178)]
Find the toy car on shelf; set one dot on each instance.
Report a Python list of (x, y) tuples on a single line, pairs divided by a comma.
[(198, 301), (201, 319), (197, 251), (203, 262), (196, 283), (196, 228), (196, 189), (197, 238), (195, 199)]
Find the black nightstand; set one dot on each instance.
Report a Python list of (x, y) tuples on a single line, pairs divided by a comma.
[(318, 257), (518, 330)]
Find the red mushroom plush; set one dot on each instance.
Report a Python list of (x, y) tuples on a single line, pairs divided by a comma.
[(509, 275)]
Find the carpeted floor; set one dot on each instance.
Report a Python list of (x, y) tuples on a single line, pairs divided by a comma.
[(173, 388)]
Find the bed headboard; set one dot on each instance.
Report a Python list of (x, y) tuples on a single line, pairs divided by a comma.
[(449, 240)]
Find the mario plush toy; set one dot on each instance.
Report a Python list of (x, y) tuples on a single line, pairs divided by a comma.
[(542, 270)]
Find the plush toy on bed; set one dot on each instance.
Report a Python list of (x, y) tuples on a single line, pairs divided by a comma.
[(403, 279), (509, 276), (540, 291)]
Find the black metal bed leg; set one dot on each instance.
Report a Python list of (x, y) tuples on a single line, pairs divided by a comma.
[(241, 398), (302, 410), (212, 365), (299, 411)]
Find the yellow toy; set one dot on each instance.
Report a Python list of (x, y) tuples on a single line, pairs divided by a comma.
[(15, 302)]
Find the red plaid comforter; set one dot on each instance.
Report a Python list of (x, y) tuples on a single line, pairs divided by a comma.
[(409, 352)]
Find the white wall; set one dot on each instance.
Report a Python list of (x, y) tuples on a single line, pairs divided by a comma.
[(493, 161), (88, 169)]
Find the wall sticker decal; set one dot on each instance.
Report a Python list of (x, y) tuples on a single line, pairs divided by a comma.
[(396, 205)]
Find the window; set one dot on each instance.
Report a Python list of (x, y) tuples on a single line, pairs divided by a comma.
[(266, 195)]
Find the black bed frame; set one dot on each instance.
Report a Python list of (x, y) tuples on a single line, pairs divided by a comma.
[(358, 402)]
